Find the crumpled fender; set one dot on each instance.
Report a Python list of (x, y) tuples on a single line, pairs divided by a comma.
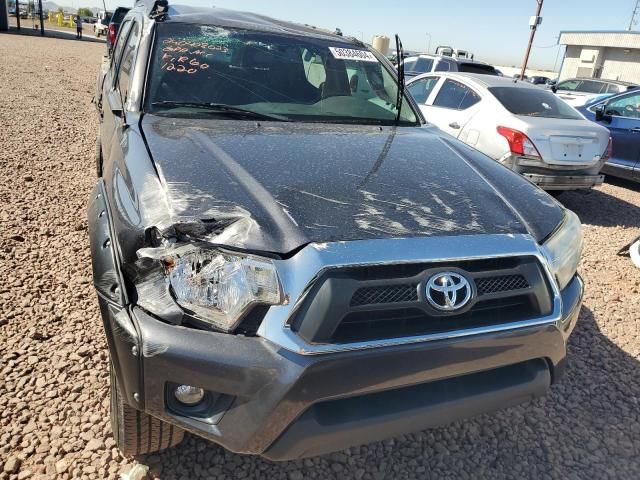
[(120, 329)]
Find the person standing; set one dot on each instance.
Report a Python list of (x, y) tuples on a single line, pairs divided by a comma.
[(78, 27)]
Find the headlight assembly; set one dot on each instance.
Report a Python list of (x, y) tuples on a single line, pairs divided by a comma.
[(564, 248), (218, 286)]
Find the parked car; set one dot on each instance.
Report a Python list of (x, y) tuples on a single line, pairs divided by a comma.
[(620, 114), (114, 25), (523, 127), (424, 63), (288, 263), (101, 27), (578, 91), (539, 80)]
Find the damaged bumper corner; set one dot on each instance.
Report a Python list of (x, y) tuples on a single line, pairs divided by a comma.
[(273, 402)]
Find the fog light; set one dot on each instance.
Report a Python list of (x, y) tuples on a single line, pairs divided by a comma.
[(188, 395)]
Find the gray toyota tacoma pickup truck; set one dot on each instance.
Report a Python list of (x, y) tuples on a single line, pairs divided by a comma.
[(289, 261)]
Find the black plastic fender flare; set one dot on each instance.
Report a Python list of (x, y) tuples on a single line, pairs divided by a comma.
[(120, 327)]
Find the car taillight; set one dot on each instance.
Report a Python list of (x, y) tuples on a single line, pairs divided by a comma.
[(112, 33), (609, 150), (519, 143)]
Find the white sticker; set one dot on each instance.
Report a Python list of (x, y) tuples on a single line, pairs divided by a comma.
[(352, 54)]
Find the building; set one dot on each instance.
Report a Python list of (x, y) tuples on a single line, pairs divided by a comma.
[(611, 55)]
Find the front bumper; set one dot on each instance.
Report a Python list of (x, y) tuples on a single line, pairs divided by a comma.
[(284, 405), (564, 182)]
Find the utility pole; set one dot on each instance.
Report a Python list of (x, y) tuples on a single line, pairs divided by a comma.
[(634, 15), (18, 14), (533, 24)]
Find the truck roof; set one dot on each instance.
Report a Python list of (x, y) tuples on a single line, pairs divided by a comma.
[(251, 21)]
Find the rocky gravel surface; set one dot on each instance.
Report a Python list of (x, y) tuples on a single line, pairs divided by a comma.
[(54, 404)]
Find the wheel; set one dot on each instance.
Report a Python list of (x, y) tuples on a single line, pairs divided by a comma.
[(634, 253), (135, 432), (99, 156)]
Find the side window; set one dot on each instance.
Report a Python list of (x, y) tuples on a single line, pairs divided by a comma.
[(423, 65), (421, 89), (569, 85), (455, 95), (591, 87), (122, 34), (611, 88), (126, 64), (442, 66), (627, 106), (410, 66)]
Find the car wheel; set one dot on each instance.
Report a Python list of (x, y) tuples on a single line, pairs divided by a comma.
[(135, 432), (634, 253)]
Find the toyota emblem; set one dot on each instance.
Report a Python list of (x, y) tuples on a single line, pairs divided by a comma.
[(448, 291)]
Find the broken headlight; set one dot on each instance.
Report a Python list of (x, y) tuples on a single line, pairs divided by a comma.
[(564, 248), (220, 287)]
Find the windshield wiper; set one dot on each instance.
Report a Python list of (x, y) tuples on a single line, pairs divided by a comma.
[(223, 109), (400, 67)]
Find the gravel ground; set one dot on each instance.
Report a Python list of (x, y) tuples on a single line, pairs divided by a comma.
[(54, 409)]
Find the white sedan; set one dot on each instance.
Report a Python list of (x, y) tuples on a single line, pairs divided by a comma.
[(522, 126)]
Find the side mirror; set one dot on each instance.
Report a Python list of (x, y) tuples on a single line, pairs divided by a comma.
[(554, 88), (118, 111), (601, 115)]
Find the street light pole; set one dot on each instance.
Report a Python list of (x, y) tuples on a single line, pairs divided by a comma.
[(429, 43), (535, 21)]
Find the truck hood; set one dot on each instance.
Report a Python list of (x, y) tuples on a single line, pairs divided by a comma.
[(274, 186)]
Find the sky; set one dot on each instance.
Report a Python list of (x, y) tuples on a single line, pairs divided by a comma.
[(496, 31)]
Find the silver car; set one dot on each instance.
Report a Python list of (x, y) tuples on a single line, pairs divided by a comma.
[(522, 126)]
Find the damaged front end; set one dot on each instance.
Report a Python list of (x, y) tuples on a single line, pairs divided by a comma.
[(214, 286)]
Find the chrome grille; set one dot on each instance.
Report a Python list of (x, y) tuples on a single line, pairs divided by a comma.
[(357, 304)]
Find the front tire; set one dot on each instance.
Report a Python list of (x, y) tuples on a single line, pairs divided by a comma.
[(136, 432)]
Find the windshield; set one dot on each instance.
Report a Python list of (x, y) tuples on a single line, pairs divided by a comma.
[(533, 102), (276, 76)]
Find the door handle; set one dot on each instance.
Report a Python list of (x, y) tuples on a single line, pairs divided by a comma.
[(636, 130), (454, 125)]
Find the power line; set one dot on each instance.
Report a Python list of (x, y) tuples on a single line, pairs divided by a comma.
[(634, 15)]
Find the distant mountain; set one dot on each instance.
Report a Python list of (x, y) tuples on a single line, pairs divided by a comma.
[(50, 6), (53, 6)]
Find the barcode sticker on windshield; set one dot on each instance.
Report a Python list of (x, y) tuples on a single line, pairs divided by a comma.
[(352, 54)]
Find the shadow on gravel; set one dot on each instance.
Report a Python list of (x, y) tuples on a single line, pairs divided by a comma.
[(586, 427), (595, 207), (61, 35), (623, 183)]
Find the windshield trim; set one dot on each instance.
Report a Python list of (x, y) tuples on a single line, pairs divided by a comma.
[(384, 63)]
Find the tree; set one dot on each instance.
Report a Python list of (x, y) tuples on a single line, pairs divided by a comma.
[(85, 12)]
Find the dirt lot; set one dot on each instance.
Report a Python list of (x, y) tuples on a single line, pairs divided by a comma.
[(54, 406)]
